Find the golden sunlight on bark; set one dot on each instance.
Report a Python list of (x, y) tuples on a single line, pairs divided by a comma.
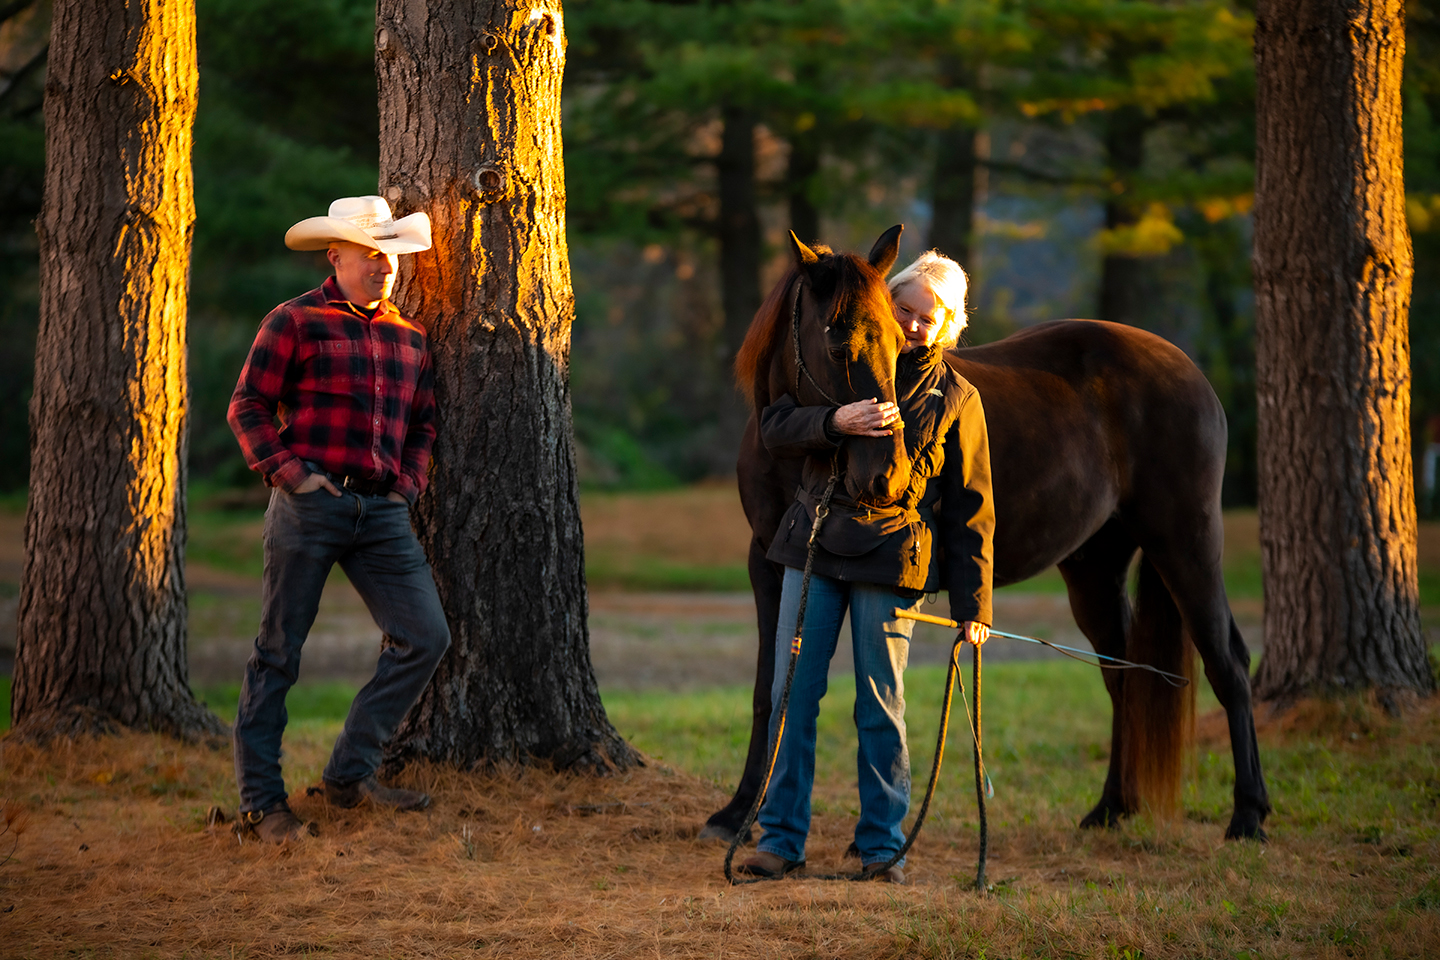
[(1332, 282), (102, 608), (500, 520)]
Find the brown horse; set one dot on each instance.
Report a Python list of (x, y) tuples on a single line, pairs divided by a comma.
[(1104, 440)]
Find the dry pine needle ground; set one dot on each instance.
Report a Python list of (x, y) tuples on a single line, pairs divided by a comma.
[(113, 859)]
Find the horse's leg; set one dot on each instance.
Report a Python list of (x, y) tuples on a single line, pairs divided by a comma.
[(1095, 578), (1188, 557), (765, 581)]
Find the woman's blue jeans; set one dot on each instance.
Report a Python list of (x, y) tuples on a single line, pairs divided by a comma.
[(371, 539), (881, 644)]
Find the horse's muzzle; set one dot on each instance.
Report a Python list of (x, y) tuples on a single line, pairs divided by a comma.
[(881, 488)]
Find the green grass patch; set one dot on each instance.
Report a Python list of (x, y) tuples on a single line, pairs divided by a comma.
[(606, 571), (227, 540), (327, 702)]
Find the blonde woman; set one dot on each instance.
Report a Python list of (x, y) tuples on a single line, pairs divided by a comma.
[(871, 559)]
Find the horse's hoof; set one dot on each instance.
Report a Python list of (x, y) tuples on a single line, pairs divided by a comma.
[(1103, 815), (1246, 828), (716, 831)]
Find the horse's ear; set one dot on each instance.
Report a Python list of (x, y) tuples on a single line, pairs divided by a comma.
[(803, 254), (886, 249)]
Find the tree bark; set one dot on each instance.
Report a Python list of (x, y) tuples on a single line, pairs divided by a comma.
[(102, 619), (801, 171), (1332, 285), (470, 134), (739, 227), (1123, 296), (952, 223)]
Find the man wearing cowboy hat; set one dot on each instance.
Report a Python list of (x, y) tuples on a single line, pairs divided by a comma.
[(351, 385)]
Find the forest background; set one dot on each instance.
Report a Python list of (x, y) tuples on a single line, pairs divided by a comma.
[(1088, 158)]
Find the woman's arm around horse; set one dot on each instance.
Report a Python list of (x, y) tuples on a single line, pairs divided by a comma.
[(790, 430)]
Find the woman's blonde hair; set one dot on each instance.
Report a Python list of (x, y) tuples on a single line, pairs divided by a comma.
[(946, 279)]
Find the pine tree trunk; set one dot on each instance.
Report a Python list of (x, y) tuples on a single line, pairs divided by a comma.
[(1124, 282), (739, 227), (470, 134), (1332, 286), (801, 171), (952, 223), (102, 607)]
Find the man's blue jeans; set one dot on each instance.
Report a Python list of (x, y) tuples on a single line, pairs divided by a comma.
[(881, 644), (370, 537)]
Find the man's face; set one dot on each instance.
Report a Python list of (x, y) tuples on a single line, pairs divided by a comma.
[(365, 275)]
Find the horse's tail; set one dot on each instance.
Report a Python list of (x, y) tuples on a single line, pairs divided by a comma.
[(1159, 722)]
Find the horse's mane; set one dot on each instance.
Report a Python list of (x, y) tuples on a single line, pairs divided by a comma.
[(846, 280), (754, 356)]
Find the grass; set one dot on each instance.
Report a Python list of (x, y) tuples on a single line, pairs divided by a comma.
[(116, 861)]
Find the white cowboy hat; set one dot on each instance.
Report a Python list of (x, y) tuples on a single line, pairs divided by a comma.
[(363, 220)]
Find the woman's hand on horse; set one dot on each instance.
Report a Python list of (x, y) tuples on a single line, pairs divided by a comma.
[(973, 631), (866, 418)]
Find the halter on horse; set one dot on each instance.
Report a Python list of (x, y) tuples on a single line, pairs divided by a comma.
[(1133, 454)]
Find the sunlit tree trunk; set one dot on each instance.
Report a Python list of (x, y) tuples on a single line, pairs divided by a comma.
[(102, 606), (470, 134), (1332, 285)]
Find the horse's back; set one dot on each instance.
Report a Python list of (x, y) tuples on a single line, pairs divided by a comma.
[(1088, 420)]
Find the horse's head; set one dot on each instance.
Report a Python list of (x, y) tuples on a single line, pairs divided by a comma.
[(835, 308)]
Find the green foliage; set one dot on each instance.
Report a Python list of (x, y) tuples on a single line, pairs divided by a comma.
[(1422, 185), (287, 122), (22, 178), (869, 89)]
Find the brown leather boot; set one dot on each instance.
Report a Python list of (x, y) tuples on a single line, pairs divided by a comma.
[(769, 865), (353, 794), (275, 824), (890, 875)]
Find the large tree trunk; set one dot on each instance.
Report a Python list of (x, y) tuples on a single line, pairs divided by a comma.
[(102, 606), (1332, 285), (470, 134)]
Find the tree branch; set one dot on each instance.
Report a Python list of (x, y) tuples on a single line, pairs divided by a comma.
[(1030, 173), (25, 70), (14, 9)]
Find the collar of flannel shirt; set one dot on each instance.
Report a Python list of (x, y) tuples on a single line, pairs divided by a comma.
[(333, 296)]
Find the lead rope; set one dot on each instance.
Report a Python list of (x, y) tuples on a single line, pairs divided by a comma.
[(821, 511), (982, 780)]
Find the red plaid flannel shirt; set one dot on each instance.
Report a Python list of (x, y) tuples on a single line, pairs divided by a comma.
[(354, 395)]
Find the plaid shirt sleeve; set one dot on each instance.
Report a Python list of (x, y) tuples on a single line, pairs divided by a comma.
[(419, 436), (267, 374)]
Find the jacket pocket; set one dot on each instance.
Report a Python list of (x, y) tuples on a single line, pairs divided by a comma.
[(915, 556)]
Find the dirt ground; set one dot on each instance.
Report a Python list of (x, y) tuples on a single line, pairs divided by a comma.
[(114, 860)]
